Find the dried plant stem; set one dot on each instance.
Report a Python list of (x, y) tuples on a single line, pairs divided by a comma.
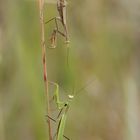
[(41, 11)]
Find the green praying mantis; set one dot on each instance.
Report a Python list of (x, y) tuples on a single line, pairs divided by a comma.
[(63, 106), (61, 8)]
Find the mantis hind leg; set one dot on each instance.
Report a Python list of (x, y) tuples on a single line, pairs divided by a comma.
[(53, 37), (50, 118), (63, 136), (66, 137), (56, 30), (56, 133)]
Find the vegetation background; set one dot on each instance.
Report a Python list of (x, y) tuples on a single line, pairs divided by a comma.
[(104, 50)]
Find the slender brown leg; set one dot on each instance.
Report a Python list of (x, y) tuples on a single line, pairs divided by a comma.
[(55, 122)]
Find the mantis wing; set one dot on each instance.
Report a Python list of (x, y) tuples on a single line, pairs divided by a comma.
[(61, 125)]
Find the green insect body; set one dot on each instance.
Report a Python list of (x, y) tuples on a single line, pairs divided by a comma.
[(63, 106), (61, 127)]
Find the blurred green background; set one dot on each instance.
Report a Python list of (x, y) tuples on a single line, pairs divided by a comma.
[(104, 58)]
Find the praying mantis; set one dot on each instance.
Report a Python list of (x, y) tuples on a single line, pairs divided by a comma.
[(61, 8), (63, 106)]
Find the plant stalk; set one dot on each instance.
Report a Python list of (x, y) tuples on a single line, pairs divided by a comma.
[(43, 46)]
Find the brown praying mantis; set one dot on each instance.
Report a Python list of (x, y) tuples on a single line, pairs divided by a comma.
[(61, 8)]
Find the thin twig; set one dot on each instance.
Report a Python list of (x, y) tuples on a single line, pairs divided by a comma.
[(43, 46)]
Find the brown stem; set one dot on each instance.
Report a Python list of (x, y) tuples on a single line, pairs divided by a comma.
[(41, 10)]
